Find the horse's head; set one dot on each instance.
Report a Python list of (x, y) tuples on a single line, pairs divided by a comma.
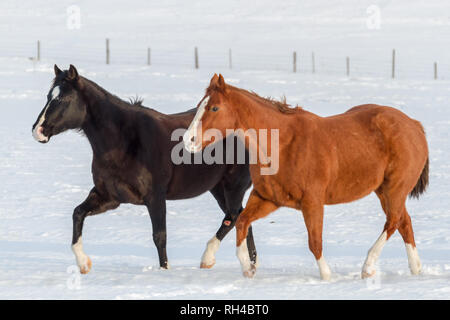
[(214, 112), (65, 108)]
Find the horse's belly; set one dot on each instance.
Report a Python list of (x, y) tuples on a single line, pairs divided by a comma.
[(189, 181), (352, 188)]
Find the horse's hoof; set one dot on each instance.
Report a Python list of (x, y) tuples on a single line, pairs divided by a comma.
[(166, 267), (366, 274), (250, 273), (203, 265), (86, 267)]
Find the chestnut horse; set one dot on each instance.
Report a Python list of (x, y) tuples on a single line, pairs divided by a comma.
[(322, 161)]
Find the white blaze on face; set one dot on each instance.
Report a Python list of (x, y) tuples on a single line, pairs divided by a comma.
[(191, 133), (38, 129)]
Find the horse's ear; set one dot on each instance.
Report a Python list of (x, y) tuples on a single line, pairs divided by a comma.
[(73, 73), (221, 82), (57, 70), (214, 79)]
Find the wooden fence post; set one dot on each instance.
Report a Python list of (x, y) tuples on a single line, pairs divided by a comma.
[(295, 62), (107, 51), (38, 56), (196, 57), (393, 63), (435, 71), (348, 66)]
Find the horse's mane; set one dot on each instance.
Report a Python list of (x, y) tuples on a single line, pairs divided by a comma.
[(132, 102), (136, 101), (279, 105)]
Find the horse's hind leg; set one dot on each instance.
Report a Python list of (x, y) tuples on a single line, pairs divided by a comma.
[(406, 231), (94, 204), (407, 234), (256, 208), (397, 218)]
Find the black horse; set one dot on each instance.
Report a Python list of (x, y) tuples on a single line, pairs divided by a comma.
[(132, 162)]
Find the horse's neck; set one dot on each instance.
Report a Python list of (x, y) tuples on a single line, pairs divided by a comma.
[(102, 127), (253, 114), (269, 125)]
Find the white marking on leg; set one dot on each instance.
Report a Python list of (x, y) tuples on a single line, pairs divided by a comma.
[(325, 271), (413, 259), (37, 131), (83, 260), (191, 133), (248, 268), (209, 256), (372, 256)]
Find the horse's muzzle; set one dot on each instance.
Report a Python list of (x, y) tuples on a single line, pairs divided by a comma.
[(38, 134)]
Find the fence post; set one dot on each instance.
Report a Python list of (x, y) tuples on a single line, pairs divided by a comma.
[(230, 61), (38, 56), (295, 62), (148, 56), (348, 66), (393, 63), (435, 71), (107, 51), (196, 58)]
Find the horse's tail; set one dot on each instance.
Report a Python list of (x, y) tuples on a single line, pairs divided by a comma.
[(422, 183)]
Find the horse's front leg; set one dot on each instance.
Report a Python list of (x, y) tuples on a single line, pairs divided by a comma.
[(156, 205), (94, 204), (255, 209)]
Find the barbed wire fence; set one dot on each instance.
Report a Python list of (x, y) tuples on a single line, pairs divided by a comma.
[(387, 65)]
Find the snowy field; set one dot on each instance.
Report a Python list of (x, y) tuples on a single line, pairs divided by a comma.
[(40, 185)]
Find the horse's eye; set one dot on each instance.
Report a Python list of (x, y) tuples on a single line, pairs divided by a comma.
[(215, 108)]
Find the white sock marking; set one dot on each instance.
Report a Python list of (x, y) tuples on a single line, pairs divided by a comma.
[(243, 256), (325, 272), (209, 256), (413, 259), (373, 254), (81, 257)]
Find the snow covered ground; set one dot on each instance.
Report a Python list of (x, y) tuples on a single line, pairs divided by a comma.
[(41, 184)]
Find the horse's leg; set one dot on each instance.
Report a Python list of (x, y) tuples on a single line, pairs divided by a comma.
[(94, 204), (394, 209), (407, 234), (255, 209), (230, 201), (406, 231), (156, 205), (313, 216)]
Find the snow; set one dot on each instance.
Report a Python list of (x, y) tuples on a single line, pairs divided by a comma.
[(42, 184)]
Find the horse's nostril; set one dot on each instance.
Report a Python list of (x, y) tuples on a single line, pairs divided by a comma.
[(193, 139)]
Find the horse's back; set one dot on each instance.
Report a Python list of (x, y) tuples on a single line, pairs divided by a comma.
[(370, 143), (391, 122)]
